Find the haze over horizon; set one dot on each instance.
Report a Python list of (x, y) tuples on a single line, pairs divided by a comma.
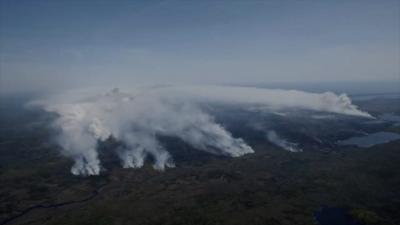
[(48, 45), (177, 112)]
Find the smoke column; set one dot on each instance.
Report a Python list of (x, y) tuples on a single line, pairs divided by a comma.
[(137, 118), (278, 141)]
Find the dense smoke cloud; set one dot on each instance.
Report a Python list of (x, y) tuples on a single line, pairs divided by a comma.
[(137, 118), (273, 98)]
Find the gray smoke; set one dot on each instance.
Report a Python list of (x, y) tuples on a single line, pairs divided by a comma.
[(280, 142), (137, 118)]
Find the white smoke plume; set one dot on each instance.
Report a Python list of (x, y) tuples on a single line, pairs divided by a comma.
[(137, 118), (275, 98), (280, 142)]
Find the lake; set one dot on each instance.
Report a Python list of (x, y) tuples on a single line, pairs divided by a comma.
[(334, 216), (371, 139)]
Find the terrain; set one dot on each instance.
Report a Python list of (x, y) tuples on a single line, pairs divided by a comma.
[(271, 186)]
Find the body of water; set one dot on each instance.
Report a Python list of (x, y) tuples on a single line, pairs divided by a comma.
[(334, 216), (371, 139), (390, 117)]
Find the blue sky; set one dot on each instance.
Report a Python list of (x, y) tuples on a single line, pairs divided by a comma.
[(64, 44)]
